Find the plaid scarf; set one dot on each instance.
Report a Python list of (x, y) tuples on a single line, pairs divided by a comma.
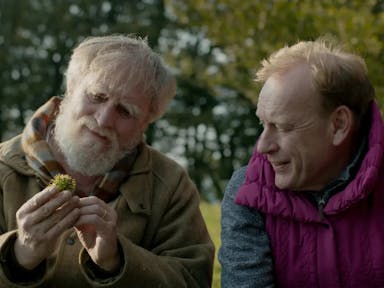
[(40, 158)]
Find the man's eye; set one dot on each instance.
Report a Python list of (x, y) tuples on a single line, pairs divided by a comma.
[(99, 97), (284, 128), (123, 111)]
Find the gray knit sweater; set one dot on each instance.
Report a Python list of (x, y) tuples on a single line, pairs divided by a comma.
[(245, 254)]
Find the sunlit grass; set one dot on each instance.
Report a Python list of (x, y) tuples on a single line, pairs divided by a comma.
[(211, 214)]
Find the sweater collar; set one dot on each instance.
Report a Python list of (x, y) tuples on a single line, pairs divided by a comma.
[(320, 198)]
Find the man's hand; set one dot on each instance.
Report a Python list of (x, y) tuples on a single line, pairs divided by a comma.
[(41, 221), (96, 229)]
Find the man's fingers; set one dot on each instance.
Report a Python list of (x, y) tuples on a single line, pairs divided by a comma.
[(61, 212), (100, 210), (47, 209), (38, 200), (91, 200), (65, 223), (102, 217), (96, 209)]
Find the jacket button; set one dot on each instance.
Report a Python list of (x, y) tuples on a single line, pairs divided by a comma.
[(70, 241)]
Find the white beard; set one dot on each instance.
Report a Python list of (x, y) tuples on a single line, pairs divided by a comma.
[(87, 157)]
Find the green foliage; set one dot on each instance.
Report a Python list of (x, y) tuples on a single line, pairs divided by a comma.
[(247, 31)]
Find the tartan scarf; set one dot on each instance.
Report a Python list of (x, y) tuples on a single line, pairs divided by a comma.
[(40, 158)]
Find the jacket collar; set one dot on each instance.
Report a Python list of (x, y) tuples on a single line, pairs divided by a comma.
[(12, 154), (137, 190), (343, 180)]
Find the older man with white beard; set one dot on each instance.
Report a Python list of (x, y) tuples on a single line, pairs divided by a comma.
[(133, 219)]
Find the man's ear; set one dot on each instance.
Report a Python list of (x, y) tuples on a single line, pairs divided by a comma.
[(342, 123)]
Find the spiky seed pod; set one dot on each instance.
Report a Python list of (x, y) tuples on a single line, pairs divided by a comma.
[(63, 182)]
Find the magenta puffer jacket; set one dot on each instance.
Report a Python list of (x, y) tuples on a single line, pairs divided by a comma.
[(344, 247)]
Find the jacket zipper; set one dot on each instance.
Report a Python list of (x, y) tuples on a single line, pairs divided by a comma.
[(321, 206)]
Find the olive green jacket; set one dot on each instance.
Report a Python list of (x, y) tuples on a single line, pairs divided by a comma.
[(162, 234)]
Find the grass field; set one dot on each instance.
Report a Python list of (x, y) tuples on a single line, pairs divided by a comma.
[(211, 214)]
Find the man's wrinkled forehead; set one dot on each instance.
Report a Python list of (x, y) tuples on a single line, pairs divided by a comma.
[(109, 82), (292, 90), (266, 95)]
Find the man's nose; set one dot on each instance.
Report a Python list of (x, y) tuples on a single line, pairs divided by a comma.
[(267, 142), (105, 116)]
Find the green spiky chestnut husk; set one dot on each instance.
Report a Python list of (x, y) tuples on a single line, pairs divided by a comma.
[(63, 182)]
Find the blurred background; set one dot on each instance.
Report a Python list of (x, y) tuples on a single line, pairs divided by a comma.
[(213, 46)]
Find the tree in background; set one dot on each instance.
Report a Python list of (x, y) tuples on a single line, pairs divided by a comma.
[(244, 32)]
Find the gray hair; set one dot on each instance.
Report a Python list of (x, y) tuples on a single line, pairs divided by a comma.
[(131, 61), (340, 77)]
